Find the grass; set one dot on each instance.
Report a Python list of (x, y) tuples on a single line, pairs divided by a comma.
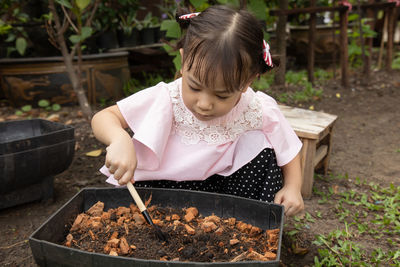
[(304, 92), (368, 229)]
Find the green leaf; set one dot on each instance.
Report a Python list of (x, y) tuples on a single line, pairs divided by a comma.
[(86, 32), (19, 113), (26, 108), (21, 45), (177, 62), (10, 38), (43, 103), (82, 4), (172, 28), (55, 107), (198, 3), (75, 38), (229, 2), (65, 3), (258, 8)]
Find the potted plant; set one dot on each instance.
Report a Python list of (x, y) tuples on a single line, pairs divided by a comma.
[(98, 76), (147, 28), (128, 33)]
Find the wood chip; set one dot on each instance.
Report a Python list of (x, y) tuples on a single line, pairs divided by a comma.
[(175, 217), (233, 241), (189, 229), (96, 209), (124, 246), (208, 227), (113, 253)]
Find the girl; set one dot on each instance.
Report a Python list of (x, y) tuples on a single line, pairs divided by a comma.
[(207, 130)]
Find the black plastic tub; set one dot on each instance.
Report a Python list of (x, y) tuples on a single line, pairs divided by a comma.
[(31, 153), (44, 242)]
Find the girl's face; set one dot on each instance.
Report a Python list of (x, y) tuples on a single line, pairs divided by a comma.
[(204, 102)]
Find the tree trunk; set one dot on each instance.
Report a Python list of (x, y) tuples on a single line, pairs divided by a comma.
[(311, 45), (71, 70), (344, 55), (279, 78)]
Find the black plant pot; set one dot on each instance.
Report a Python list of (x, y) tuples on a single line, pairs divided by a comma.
[(159, 35), (45, 241), (128, 40), (31, 153), (108, 40), (147, 35)]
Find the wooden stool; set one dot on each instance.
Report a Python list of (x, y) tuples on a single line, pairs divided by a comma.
[(314, 128)]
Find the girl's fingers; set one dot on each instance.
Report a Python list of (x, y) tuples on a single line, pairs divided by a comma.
[(112, 169), (128, 176)]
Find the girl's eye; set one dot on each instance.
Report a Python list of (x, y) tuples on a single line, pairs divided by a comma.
[(194, 89), (222, 97)]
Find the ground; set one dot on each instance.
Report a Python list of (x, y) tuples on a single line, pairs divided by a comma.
[(366, 145)]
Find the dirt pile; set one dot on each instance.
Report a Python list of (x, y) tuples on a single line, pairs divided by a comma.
[(191, 237)]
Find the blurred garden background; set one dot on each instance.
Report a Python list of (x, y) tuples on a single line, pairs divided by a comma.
[(63, 60)]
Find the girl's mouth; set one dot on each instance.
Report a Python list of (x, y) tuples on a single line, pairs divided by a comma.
[(203, 117)]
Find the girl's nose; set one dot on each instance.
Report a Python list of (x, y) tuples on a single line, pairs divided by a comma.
[(204, 102)]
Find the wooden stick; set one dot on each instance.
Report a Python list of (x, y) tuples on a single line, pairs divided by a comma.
[(15, 244), (136, 197)]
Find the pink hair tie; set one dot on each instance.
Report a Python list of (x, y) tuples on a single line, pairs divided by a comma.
[(266, 54), (188, 16)]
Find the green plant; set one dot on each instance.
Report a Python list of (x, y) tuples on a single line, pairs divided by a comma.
[(149, 79), (149, 21), (24, 110), (11, 20), (396, 62), (354, 48), (42, 104), (369, 210), (263, 82), (48, 106), (128, 23)]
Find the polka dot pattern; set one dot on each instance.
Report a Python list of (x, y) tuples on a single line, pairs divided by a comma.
[(259, 179)]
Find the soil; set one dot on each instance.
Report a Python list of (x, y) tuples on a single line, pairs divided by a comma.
[(366, 144), (178, 235)]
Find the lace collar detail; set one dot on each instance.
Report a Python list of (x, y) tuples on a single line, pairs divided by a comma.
[(245, 116)]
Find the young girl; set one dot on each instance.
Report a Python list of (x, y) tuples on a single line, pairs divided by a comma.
[(207, 130)]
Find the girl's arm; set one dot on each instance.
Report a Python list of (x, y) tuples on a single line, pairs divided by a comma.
[(109, 128), (290, 194)]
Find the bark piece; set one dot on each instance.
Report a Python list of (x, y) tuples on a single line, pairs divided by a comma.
[(96, 210)]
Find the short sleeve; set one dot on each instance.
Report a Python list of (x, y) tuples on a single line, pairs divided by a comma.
[(149, 115), (278, 131)]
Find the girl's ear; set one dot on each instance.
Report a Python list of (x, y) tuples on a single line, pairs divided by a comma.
[(181, 52)]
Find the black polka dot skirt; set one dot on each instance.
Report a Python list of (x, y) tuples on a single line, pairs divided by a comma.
[(259, 179)]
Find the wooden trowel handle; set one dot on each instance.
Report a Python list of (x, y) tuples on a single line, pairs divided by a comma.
[(136, 197)]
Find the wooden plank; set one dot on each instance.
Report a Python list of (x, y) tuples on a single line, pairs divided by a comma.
[(306, 10), (308, 123), (319, 9), (322, 151), (307, 155)]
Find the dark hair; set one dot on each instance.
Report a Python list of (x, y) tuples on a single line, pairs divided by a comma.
[(226, 41)]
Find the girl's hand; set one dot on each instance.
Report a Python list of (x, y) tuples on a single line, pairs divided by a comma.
[(121, 160), (291, 199)]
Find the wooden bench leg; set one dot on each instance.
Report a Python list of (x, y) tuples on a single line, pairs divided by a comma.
[(307, 166)]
